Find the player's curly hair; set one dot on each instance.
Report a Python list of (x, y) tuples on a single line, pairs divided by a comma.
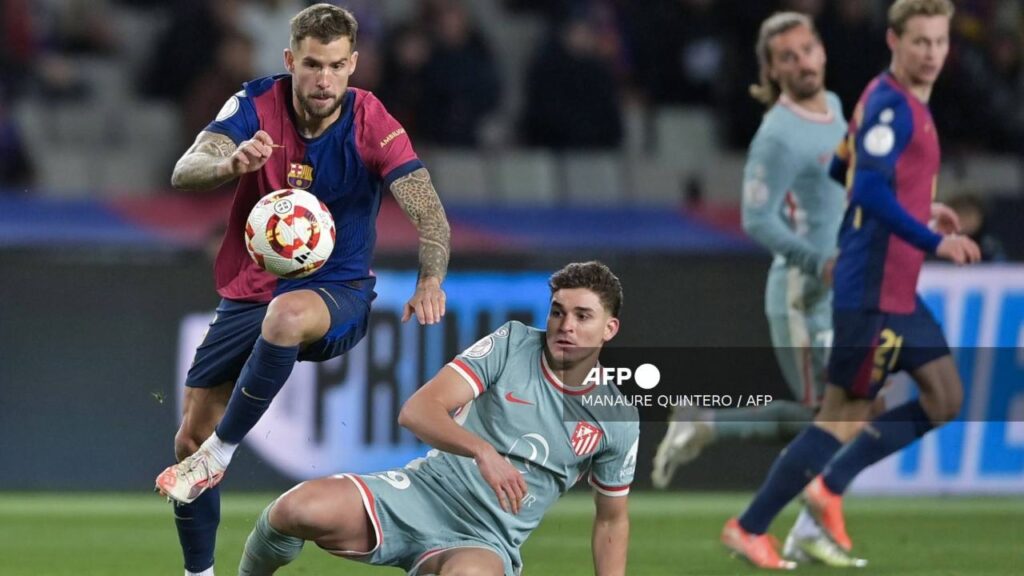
[(903, 10), (593, 276), (767, 91), (324, 22)]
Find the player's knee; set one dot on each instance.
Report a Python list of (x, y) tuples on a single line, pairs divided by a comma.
[(296, 512), (850, 430), (285, 323), (289, 511), (949, 409), (942, 397)]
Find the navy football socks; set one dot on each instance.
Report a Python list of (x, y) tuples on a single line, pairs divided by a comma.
[(889, 433), (261, 379), (794, 468), (197, 529)]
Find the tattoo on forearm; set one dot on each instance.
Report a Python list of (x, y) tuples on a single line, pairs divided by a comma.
[(416, 195), (197, 168), (220, 146)]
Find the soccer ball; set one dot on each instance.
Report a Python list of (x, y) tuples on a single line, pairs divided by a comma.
[(290, 233)]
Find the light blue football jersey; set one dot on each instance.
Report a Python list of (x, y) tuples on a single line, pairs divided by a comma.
[(791, 205), (521, 408)]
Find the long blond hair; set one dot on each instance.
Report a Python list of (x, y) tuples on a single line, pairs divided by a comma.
[(767, 91)]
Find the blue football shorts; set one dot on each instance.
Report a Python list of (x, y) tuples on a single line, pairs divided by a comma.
[(237, 325), (870, 345)]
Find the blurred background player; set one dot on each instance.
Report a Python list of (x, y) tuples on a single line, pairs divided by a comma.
[(792, 207), (881, 325), (306, 129), (509, 441)]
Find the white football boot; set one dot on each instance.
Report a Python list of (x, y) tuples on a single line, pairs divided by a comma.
[(686, 436)]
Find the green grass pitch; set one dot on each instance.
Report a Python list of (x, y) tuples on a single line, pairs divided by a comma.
[(675, 533)]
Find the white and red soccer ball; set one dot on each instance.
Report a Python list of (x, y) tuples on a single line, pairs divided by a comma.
[(290, 233)]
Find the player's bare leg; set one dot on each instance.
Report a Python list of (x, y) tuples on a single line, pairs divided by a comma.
[(326, 511), (843, 417), (463, 562), (941, 396), (197, 522), (807, 542), (293, 319), (203, 408), (941, 390)]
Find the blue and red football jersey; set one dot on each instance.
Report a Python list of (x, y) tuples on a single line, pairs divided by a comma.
[(893, 166), (347, 168)]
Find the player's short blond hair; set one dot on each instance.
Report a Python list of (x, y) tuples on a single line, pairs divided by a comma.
[(903, 10), (324, 22), (767, 91), (593, 276)]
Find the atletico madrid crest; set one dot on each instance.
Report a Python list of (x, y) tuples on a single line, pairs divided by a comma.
[(585, 438), (300, 175)]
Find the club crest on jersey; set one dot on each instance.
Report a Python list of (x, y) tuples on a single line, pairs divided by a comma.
[(300, 175), (585, 438)]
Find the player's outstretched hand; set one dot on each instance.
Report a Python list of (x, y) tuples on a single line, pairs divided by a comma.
[(504, 479), (251, 154), (958, 249), (427, 303), (946, 219)]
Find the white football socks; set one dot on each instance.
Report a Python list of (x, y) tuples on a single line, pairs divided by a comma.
[(220, 450), (806, 528)]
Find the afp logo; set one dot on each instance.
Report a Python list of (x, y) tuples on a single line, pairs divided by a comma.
[(646, 376)]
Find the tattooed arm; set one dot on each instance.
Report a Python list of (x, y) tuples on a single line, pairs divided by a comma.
[(417, 197), (214, 159)]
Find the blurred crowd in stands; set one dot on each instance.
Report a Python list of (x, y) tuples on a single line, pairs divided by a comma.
[(466, 74)]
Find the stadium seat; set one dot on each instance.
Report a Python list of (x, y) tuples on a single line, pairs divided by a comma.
[(723, 178), (156, 127), (686, 136), (74, 176), (526, 177), (129, 171), (106, 79), (33, 123), (654, 183), (459, 176), (78, 123), (593, 178)]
